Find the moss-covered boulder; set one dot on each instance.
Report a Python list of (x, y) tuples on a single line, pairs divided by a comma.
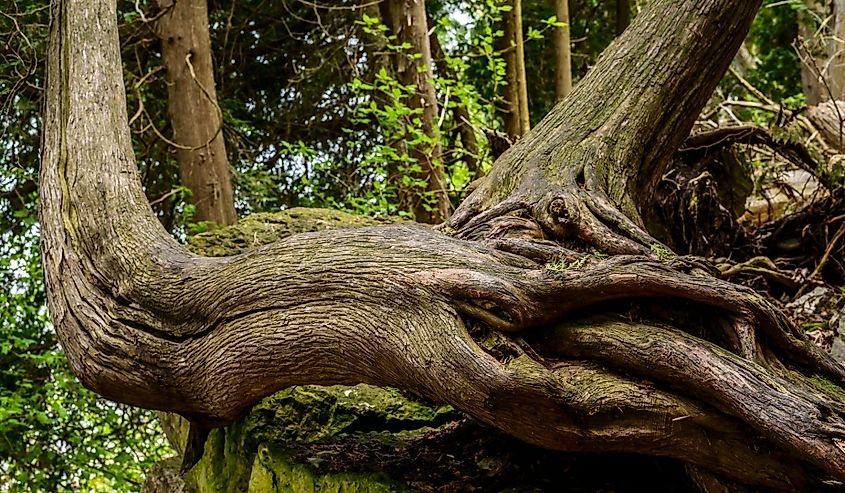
[(290, 441), (267, 227)]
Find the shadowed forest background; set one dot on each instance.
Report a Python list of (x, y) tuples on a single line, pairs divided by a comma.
[(298, 104)]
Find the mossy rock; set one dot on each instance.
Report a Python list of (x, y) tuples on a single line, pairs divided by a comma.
[(289, 441), (267, 227)]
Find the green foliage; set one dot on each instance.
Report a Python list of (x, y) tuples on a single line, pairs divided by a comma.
[(777, 71), (54, 434)]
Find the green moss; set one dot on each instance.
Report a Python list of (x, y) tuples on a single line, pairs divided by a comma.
[(227, 463), (273, 472), (563, 265), (662, 253), (491, 339), (313, 414), (261, 229), (255, 453), (826, 384)]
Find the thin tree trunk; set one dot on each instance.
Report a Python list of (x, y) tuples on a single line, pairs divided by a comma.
[(744, 60), (517, 119), (194, 114), (563, 51), (459, 110), (623, 15), (813, 58), (836, 69), (408, 21), (524, 117)]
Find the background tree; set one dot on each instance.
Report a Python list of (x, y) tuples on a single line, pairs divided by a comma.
[(563, 66), (517, 119), (194, 113), (413, 65)]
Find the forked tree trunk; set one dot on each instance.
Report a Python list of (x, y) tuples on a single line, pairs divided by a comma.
[(194, 113), (725, 383), (407, 20), (563, 51)]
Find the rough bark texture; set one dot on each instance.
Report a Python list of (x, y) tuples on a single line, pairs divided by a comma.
[(364, 439), (194, 114), (563, 51), (407, 20), (738, 393)]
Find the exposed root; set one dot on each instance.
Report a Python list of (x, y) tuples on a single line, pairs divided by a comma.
[(581, 407), (810, 425), (569, 214), (515, 302), (540, 251)]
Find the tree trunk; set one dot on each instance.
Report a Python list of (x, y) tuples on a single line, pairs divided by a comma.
[(563, 50), (407, 20), (519, 39), (706, 372), (194, 113), (623, 15), (836, 69), (517, 120)]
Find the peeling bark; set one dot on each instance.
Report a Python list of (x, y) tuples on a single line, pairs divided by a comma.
[(146, 322)]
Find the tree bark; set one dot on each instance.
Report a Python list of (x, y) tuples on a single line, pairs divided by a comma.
[(407, 20), (822, 52), (739, 392), (517, 118), (194, 113), (563, 50), (836, 69)]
